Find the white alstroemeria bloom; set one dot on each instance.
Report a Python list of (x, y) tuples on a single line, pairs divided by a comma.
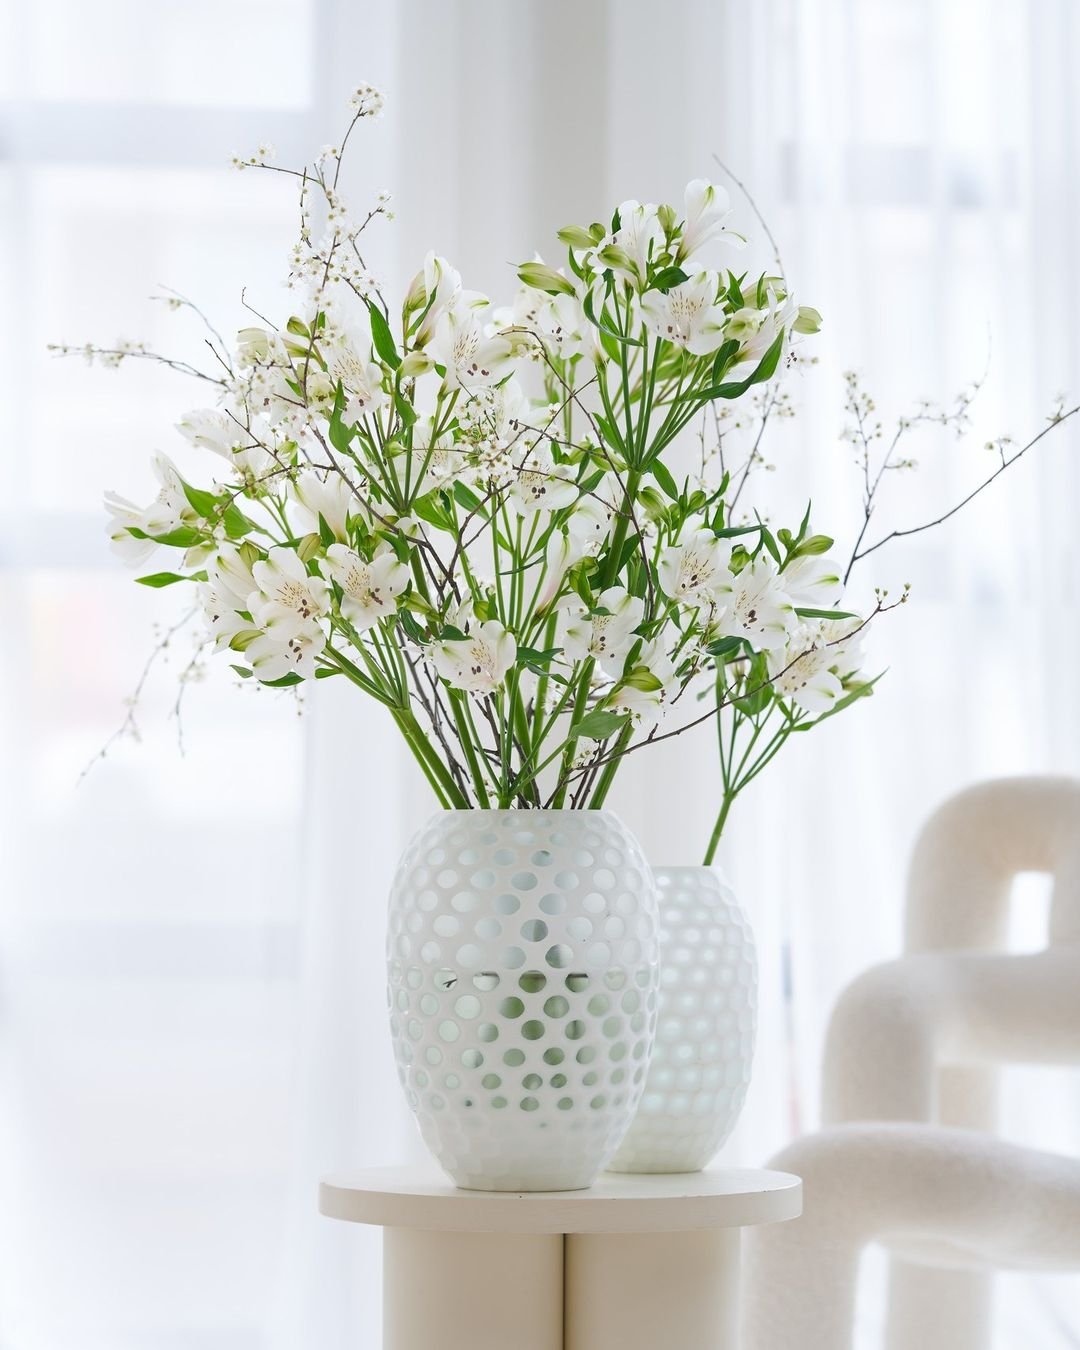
[(220, 609), (287, 598), (213, 429), (168, 511), (812, 581), (707, 209), (645, 690), (539, 484), (688, 315), (470, 356), (125, 516), (559, 319), (756, 330), (592, 518), (370, 589), (629, 249), (560, 554), (479, 662), (440, 291), (607, 636), (811, 669), (330, 496), (756, 606), (231, 575), (348, 362), (696, 572), (272, 658)]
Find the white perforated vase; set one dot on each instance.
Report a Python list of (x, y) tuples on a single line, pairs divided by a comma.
[(704, 1051), (523, 987)]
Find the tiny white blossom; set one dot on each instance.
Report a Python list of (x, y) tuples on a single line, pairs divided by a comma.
[(366, 101)]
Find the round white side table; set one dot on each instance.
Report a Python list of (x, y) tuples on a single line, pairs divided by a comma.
[(633, 1263)]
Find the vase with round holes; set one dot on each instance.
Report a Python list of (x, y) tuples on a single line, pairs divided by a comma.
[(523, 964), (700, 1068)]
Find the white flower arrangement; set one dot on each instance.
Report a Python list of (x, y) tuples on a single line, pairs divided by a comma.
[(473, 514)]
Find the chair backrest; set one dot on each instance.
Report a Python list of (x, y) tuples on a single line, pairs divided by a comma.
[(972, 848)]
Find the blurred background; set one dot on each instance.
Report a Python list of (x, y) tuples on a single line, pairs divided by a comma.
[(191, 937)]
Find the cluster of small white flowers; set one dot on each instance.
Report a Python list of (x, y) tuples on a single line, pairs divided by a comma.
[(260, 159), (107, 357), (366, 101)]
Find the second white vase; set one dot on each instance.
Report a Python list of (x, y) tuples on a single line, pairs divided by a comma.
[(701, 1064)]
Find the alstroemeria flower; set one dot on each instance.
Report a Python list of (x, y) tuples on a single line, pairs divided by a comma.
[(756, 330), (590, 523), (695, 572), (370, 589), (539, 484), (629, 249), (811, 669), (348, 362), (469, 356), (688, 315), (644, 691), (756, 606), (287, 598), (168, 511), (478, 663), (812, 581), (432, 462), (329, 496), (707, 210), (272, 658), (607, 635), (439, 290)]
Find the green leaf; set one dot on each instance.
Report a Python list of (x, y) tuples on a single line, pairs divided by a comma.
[(599, 725), (405, 410), (853, 695), (726, 353), (159, 579), (770, 544), (382, 337), (662, 474), (285, 682), (235, 522), (824, 614), (182, 537), (466, 497), (730, 531), (324, 672), (204, 504), (764, 370), (759, 690), (243, 672), (668, 277), (326, 535), (428, 509), (724, 647)]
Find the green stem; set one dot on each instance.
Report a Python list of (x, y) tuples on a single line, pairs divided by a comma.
[(718, 828), (466, 736)]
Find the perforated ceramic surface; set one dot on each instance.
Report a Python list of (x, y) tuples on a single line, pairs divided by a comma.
[(704, 1051), (523, 989)]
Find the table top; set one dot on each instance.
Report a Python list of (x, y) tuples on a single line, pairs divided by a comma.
[(722, 1197)]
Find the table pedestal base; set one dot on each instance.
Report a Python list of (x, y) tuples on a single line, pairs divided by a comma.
[(542, 1291), (472, 1291), (652, 1291)]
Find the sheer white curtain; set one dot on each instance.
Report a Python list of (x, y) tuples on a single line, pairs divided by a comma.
[(190, 948)]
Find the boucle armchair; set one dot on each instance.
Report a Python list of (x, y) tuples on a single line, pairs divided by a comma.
[(916, 1040)]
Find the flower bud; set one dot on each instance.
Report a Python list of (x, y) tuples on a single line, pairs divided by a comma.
[(543, 278)]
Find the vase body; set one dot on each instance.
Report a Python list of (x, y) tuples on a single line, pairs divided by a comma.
[(523, 965), (701, 1064)]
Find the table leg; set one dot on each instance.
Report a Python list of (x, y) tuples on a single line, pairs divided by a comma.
[(653, 1291), (472, 1291)]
